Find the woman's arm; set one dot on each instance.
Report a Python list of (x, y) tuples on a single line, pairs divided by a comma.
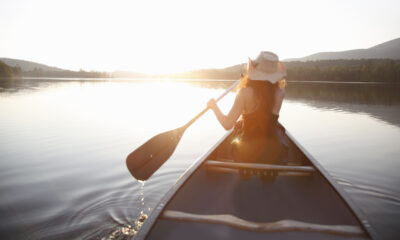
[(279, 95), (228, 121)]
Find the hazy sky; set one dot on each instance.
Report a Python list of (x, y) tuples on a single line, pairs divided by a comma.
[(169, 36)]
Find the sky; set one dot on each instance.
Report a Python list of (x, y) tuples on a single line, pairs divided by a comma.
[(172, 36)]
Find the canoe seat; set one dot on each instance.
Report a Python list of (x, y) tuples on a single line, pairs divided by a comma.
[(259, 168), (278, 226)]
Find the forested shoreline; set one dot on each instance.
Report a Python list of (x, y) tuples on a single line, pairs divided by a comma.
[(8, 72), (363, 70), (66, 74)]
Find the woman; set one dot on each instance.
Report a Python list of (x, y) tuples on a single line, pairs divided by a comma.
[(258, 102)]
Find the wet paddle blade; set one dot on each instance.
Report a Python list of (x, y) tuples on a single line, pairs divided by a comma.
[(149, 157)]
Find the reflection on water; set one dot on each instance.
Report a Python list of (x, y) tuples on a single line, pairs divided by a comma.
[(359, 148), (361, 93), (379, 100), (63, 146)]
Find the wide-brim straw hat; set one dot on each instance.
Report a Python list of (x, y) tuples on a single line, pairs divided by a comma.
[(266, 67)]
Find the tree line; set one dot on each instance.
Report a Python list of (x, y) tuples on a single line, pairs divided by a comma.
[(38, 72), (363, 70), (7, 71)]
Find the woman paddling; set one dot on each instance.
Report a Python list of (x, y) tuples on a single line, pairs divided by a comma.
[(258, 102)]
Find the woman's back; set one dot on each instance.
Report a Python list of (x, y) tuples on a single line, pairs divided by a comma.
[(257, 104), (251, 102), (256, 116)]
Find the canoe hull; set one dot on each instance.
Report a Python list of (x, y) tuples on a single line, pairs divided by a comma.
[(201, 191)]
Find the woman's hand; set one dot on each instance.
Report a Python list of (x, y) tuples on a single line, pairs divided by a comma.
[(211, 103)]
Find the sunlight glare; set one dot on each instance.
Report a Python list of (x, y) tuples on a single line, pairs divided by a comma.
[(166, 104), (175, 36)]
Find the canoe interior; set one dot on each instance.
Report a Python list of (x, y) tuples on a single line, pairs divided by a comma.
[(309, 199)]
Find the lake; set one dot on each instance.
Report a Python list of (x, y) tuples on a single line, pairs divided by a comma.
[(63, 144)]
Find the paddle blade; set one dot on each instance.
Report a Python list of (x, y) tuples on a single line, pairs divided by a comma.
[(149, 157)]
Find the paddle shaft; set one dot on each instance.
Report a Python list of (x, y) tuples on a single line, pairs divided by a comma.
[(216, 100), (149, 157)]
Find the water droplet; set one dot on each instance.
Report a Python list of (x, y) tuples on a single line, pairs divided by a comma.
[(143, 217)]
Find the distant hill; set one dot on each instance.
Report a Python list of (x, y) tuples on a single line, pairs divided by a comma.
[(390, 50), (5, 71), (28, 65), (378, 63), (31, 69)]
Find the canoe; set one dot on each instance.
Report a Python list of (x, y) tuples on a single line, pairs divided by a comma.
[(214, 200)]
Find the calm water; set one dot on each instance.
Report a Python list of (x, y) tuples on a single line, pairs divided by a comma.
[(63, 146)]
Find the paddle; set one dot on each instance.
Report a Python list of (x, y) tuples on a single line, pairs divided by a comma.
[(149, 157)]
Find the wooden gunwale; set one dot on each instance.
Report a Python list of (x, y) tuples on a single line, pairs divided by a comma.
[(257, 166)]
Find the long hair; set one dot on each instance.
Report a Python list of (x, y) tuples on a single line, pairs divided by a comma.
[(264, 92)]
